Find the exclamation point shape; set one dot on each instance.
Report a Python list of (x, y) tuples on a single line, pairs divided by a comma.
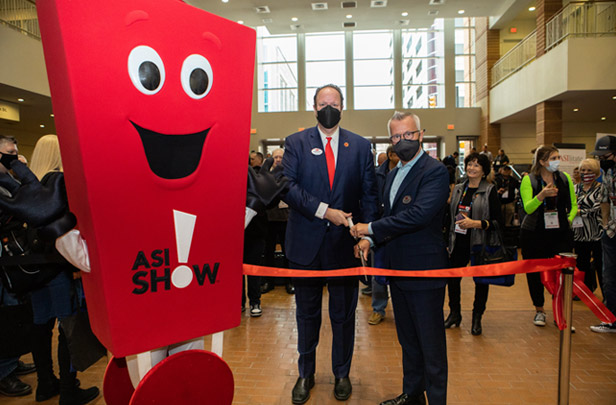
[(184, 227)]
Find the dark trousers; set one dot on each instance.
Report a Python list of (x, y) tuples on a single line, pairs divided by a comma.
[(543, 244), (276, 231), (253, 254), (460, 258), (586, 251), (421, 333), (342, 305)]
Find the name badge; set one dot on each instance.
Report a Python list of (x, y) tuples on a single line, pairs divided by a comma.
[(577, 222), (317, 151), (551, 220)]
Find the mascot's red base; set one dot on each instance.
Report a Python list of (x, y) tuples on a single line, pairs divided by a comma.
[(186, 378)]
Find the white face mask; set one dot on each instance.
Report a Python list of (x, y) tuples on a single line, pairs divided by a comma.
[(553, 166)]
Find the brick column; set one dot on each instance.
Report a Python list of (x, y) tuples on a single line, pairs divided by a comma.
[(549, 122), (545, 10), (487, 52)]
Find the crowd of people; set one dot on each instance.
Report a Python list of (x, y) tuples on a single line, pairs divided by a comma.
[(339, 207)]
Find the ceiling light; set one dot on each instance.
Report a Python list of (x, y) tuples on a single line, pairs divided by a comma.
[(51, 115), (603, 118), (349, 16), (613, 97), (294, 19), (43, 126), (240, 21), (531, 9), (576, 109), (460, 11), (225, 1), (21, 100), (405, 14)]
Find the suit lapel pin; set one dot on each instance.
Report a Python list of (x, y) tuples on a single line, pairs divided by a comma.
[(346, 144), (317, 151), (406, 199)]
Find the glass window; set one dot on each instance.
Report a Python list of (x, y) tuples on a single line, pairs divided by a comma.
[(277, 72), (373, 69), (465, 62), (325, 55), (423, 75)]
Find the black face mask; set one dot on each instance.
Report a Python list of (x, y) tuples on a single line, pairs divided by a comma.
[(6, 160), (328, 116), (406, 150), (607, 164)]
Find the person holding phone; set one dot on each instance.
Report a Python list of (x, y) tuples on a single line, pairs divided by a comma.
[(474, 209)]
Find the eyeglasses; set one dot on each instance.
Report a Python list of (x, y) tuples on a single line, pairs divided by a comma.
[(408, 135)]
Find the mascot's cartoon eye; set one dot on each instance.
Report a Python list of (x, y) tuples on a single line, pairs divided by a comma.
[(196, 76), (146, 69)]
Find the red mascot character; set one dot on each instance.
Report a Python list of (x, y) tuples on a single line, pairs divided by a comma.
[(152, 102)]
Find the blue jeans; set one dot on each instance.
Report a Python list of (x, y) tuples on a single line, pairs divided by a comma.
[(8, 364), (379, 297), (609, 272)]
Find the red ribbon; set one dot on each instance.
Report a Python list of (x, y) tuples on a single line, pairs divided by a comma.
[(550, 278), (553, 282)]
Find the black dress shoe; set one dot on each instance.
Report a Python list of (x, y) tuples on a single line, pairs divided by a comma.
[(454, 318), (24, 368), (342, 388), (301, 391), (476, 328), (11, 386), (405, 399), (290, 288)]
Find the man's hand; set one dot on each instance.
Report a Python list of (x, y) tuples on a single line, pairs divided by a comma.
[(337, 217), (360, 230), (363, 248)]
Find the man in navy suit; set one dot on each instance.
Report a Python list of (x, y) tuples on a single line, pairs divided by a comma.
[(331, 178), (415, 197)]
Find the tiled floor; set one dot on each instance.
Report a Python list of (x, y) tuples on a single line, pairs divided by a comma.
[(513, 362)]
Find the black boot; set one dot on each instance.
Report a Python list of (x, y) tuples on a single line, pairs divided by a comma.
[(70, 394), (48, 386), (476, 328), (454, 318)]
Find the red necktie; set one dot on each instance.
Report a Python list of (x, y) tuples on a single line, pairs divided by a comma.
[(331, 162)]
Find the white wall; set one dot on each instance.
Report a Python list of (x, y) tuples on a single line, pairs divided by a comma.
[(518, 139), (23, 64), (575, 64)]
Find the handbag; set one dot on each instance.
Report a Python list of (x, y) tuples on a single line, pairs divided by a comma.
[(492, 255), (84, 347), (16, 328), (26, 264)]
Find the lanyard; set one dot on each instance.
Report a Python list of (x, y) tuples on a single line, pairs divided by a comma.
[(470, 206)]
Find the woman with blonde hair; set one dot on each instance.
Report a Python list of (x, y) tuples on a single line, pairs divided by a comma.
[(46, 156), (550, 203), (54, 301), (587, 230)]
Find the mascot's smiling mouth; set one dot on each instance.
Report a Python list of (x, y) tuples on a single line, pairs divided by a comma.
[(172, 156)]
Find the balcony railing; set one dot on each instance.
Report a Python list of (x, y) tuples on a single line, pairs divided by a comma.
[(514, 60), (581, 19), (20, 15)]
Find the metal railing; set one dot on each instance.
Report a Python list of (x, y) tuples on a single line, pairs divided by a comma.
[(581, 19), (518, 57), (20, 15)]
